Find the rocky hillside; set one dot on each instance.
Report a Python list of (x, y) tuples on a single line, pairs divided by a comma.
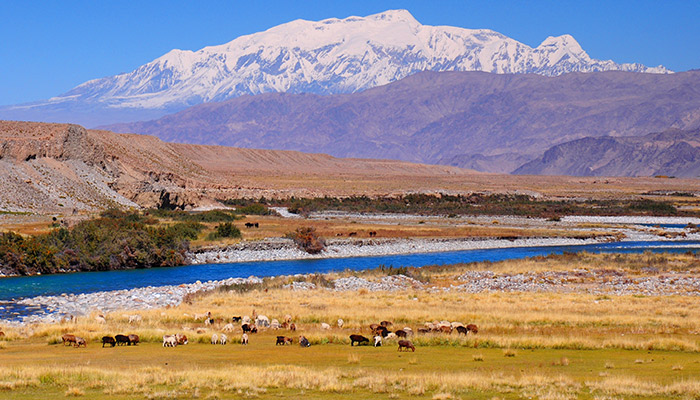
[(670, 153), (65, 168), (323, 57), (491, 122)]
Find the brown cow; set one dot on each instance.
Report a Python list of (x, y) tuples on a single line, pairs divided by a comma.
[(249, 328), (68, 339), (386, 324), (359, 339), (292, 327), (472, 328), (404, 345), (108, 340), (133, 339), (401, 333), (80, 342)]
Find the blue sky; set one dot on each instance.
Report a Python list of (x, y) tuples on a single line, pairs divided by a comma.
[(48, 47)]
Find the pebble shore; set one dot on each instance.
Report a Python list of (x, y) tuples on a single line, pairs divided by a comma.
[(284, 249)]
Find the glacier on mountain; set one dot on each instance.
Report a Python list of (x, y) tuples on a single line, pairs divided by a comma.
[(328, 56)]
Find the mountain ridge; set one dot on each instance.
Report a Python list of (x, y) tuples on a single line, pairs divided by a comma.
[(465, 119), (325, 57)]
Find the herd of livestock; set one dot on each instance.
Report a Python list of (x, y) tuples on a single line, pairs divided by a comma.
[(380, 332)]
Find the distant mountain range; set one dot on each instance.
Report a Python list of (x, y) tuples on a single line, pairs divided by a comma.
[(670, 153), (325, 57), (489, 122)]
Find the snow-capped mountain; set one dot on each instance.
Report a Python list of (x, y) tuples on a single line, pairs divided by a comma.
[(328, 56)]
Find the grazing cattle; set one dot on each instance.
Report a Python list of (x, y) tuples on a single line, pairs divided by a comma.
[(372, 233), (214, 339), (274, 324), (405, 345), (246, 320), (228, 328), (373, 327), (80, 342), (386, 324), (209, 322), (377, 341), (169, 341), (284, 325), (223, 339), (288, 319), (248, 225), (205, 316), (456, 324), (249, 328), (401, 333), (292, 327), (304, 342), (282, 340), (472, 328), (122, 340), (462, 330), (108, 340), (236, 319), (325, 326), (181, 339), (133, 339), (359, 339), (68, 339), (351, 234), (409, 331), (339, 234), (340, 323), (391, 335), (244, 339)]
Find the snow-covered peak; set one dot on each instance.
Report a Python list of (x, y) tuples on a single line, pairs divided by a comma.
[(333, 56)]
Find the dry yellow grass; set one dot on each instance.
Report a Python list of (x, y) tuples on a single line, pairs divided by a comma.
[(545, 332)]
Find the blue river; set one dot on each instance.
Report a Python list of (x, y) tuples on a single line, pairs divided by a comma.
[(86, 282)]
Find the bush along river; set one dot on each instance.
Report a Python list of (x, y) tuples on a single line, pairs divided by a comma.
[(50, 297)]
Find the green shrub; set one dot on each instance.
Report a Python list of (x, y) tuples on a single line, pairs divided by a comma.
[(225, 230)]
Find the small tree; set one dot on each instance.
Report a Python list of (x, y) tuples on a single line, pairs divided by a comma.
[(307, 240)]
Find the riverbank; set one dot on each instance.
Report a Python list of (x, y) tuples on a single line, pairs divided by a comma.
[(650, 274), (275, 249)]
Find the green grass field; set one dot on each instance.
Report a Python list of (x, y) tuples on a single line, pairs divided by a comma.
[(32, 370)]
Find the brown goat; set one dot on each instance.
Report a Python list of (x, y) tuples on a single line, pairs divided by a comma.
[(68, 339), (404, 345)]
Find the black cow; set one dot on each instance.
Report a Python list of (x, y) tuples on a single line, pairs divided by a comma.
[(122, 340)]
